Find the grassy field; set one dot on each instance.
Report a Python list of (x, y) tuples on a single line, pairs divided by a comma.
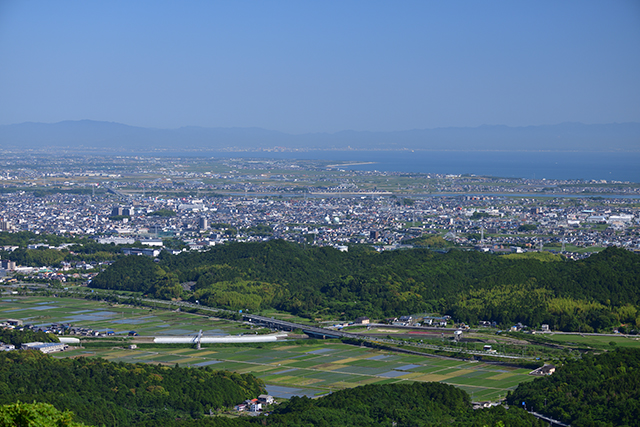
[(287, 368), (602, 342)]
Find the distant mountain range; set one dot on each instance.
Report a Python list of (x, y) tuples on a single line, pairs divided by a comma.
[(88, 134)]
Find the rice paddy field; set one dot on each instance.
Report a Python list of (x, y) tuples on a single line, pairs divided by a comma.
[(314, 370), (287, 368), (100, 316)]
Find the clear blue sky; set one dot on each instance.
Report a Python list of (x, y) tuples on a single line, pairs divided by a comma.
[(320, 66)]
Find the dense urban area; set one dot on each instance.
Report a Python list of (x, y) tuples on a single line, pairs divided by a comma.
[(130, 199)]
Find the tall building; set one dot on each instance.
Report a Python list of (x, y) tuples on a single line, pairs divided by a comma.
[(7, 264), (120, 211), (203, 223)]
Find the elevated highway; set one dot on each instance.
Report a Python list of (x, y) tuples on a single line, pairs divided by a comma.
[(116, 192), (315, 332)]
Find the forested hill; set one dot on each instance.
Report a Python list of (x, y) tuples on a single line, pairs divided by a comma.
[(403, 404), (596, 292), (17, 337), (106, 393), (597, 390)]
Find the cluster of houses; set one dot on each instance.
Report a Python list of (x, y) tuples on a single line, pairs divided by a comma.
[(57, 329), (255, 405), (54, 328), (87, 332), (67, 272), (419, 321), (434, 321), (11, 324), (43, 347), (400, 321)]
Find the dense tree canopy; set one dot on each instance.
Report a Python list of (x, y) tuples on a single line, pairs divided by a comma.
[(81, 249), (410, 404), (469, 285), (133, 273), (35, 415), (596, 390), (17, 337), (101, 392)]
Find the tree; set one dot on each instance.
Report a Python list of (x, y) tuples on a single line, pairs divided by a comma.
[(35, 415)]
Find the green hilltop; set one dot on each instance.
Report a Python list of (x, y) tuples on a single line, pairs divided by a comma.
[(595, 294)]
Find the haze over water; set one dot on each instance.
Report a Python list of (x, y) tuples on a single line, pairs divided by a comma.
[(515, 164)]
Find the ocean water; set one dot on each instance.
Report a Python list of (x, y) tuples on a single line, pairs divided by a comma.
[(536, 165), (507, 164)]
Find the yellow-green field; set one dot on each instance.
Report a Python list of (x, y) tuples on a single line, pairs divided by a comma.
[(286, 368), (318, 369)]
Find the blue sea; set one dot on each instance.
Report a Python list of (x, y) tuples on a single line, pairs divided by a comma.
[(512, 164)]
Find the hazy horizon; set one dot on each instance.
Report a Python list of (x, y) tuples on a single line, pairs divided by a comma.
[(333, 132)]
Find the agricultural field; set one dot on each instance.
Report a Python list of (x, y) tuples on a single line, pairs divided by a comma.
[(290, 369), (595, 341), (287, 368), (101, 316)]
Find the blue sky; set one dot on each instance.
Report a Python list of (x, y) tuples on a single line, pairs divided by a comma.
[(320, 66)]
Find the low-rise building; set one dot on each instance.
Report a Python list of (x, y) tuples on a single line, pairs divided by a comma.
[(544, 370), (14, 322), (141, 251), (266, 399), (7, 347), (362, 321), (48, 347)]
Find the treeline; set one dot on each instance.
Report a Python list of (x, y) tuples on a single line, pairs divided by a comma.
[(105, 393), (82, 249), (17, 337), (54, 258), (596, 390), (24, 238), (594, 294), (416, 404), (35, 414)]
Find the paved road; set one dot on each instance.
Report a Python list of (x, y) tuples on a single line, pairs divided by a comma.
[(551, 421), (290, 326)]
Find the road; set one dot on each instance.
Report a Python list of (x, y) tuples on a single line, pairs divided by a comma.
[(551, 421), (289, 326)]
